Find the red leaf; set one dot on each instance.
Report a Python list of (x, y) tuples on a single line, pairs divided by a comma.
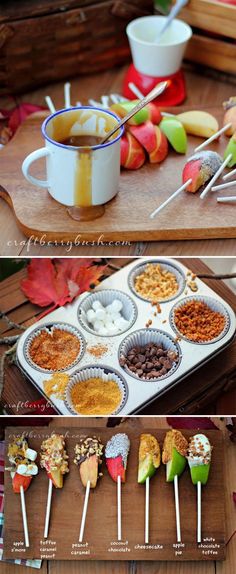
[(198, 423), (20, 113), (58, 281), (234, 497)]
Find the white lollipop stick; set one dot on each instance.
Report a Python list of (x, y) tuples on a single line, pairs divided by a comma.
[(224, 185), (67, 95), (212, 138), (86, 499), (182, 188), (177, 513), (199, 513), (215, 177), (228, 175), (147, 511), (119, 535), (105, 101), (94, 103), (48, 509), (229, 199), (78, 104), (114, 98), (50, 104), (167, 115), (135, 90), (24, 516)]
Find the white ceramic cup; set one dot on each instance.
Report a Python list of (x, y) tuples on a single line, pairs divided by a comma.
[(69, 170), (157, 59)]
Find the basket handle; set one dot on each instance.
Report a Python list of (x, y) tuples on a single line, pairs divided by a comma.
[(37, 154)]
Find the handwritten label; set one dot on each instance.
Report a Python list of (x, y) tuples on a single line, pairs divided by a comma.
[(148, 547), (80, 549), (116, 546), (178, 548), (209, 546), (48, 549), (18, 546)]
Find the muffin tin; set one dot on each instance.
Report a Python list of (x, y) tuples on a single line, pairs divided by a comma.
[(139, 392)]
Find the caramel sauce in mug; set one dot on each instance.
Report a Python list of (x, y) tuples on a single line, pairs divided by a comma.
[(83, 210)]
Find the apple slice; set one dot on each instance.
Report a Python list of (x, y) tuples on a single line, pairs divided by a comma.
[(175, 133), (231, 149), (132, 153), (152, 139), (149, 457), (89, 471), (20, 480), (149, 112), (199, 123), (174, 454), (115, 468), (56, 477), (175, 466), (230, 115), (200, 473)]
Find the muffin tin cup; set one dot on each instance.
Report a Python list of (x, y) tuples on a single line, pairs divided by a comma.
[(140, 268), (129, 310), (49, 327), (143, 337), (214, 305), (103, 372)]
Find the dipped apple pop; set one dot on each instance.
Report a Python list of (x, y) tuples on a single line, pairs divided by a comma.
[(116, 455), (88, 457), (174, 456), (54, 460), (200, 168), (149, 458), (199, 460), (23, 468)]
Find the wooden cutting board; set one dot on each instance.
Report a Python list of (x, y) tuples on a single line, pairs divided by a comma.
[(126, 217), (100, 538)]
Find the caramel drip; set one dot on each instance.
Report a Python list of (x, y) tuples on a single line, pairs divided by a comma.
[(83, 179)]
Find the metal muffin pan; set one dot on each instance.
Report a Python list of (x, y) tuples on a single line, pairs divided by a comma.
[(140, 393)]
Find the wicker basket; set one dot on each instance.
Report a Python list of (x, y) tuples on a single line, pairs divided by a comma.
[(50, 40)]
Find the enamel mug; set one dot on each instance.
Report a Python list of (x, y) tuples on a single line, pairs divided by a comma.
[(78, 176)]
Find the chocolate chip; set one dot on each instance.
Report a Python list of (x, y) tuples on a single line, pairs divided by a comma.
[(149, 361)]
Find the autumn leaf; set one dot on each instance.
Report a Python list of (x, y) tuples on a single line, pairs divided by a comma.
[(234, 497), (20, 113), (198, 423), (58, 281)]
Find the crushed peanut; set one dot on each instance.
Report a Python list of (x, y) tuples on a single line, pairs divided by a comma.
[(156, 283)]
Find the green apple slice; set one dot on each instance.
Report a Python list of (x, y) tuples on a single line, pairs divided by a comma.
[(149, 457), (175, 466), (200, 473), (231, 148), (146, 469), (175, 133)]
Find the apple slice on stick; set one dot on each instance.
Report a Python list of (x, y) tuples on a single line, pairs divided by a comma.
[(149, 460), (116, 454), (199, 460), (88, 457), (23, 468), (174, 456), (199, 169), (54, 460)]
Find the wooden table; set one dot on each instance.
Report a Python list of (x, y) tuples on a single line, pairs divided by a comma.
[(212, 389), (201, 90), (226, 567)]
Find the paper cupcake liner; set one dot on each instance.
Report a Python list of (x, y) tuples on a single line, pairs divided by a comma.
[(214, 305), (140, 268), (103, 372), (106, 296), (50, 327), (143, 337)]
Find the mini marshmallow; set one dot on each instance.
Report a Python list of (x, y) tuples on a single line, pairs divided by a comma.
[(100, 314), (91, 315), (22, 469), (103, 331), (31, 454), (98, 325), (121, 324), (116, 305), (97, 305)]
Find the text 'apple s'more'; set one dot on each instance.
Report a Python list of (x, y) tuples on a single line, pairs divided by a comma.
[(174, 456), (199, 460), (22, 469), (88, 457), (149, 458), (116, 454), (54, 460)]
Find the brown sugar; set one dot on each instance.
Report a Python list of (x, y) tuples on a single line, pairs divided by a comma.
[(54, 350)]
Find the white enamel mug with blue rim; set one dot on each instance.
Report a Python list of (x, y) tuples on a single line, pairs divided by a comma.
[(61, 159)]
